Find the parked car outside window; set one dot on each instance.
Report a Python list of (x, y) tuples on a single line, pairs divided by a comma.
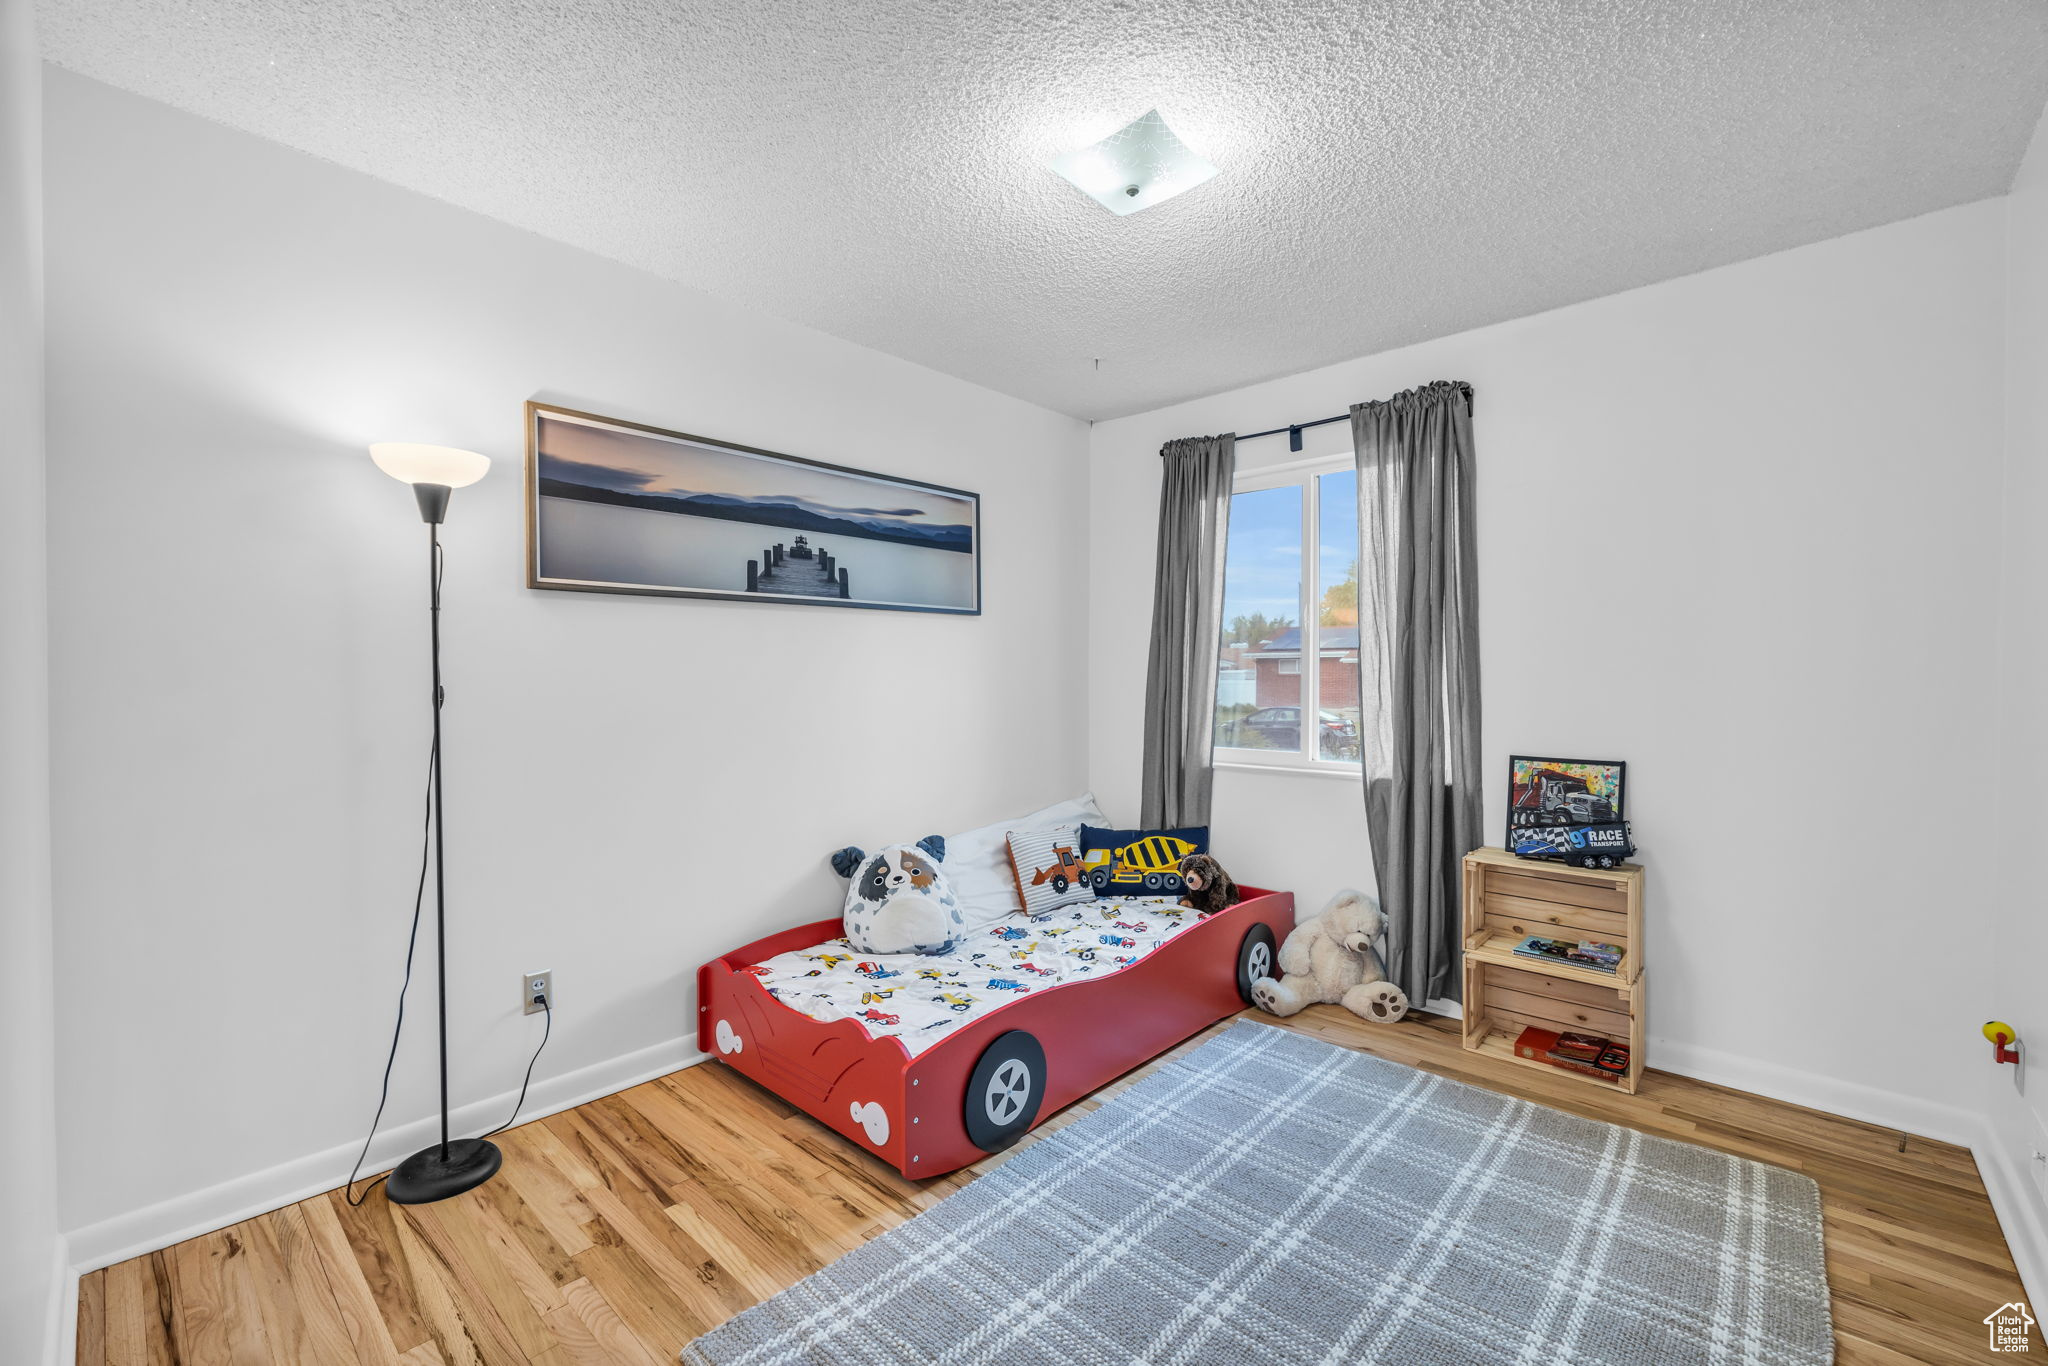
[(1280, 728)]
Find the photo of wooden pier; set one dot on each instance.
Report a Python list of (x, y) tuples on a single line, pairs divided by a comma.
[(616, 507), (798, 570)]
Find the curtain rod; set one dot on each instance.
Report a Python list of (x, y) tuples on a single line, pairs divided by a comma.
[(1295, 429)]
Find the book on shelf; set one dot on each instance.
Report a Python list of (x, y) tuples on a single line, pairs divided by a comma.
[(1544, 1045), (1579, 1047), (1580, 953)]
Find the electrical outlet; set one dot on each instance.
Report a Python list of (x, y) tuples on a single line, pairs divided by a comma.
[(535, 986)]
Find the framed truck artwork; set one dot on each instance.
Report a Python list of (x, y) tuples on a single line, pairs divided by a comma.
[(1563, 792)]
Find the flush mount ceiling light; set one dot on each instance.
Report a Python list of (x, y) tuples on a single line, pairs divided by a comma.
[(1135, 167)]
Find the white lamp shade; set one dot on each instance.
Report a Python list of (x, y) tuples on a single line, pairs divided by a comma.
[(1135, 167), (417, 464)]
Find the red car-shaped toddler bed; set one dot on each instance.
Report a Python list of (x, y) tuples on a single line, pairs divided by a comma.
[(1029, 1049)]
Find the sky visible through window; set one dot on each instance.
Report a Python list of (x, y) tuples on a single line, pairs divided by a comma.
[(1339, 557), (1262, 576)]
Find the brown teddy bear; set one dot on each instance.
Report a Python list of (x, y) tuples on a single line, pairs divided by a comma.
[(1209, 888)]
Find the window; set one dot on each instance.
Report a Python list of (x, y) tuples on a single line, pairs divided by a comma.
[(1282, 608)]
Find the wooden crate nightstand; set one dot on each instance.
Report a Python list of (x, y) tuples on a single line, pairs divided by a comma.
[(1508, 899)]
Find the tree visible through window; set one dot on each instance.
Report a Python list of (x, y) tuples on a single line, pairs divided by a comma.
[(1280, 613)]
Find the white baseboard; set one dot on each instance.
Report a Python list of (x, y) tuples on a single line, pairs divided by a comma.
[(1850, 1099), (60, 1323), (230, 1202), (2019, 1212)]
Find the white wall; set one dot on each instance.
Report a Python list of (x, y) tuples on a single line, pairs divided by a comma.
[(30, 1250), (1791, 467), (2016, 1099), (634, 784)]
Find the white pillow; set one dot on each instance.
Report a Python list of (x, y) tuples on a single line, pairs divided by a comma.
[(978, 862)]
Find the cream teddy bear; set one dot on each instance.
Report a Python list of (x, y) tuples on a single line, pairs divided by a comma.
[(1330, 958)]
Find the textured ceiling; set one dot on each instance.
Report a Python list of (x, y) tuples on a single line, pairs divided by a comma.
[(1391, 170)]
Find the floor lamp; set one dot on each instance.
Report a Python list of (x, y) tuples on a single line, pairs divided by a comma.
[(451, 1166)]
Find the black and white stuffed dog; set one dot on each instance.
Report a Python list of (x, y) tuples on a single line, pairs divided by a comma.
[(899, 900)]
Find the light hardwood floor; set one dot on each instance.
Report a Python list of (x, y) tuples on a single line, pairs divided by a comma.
[(623, 1228)]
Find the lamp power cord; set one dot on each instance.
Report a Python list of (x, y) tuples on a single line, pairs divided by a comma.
[(412, 944), (547, 1028)]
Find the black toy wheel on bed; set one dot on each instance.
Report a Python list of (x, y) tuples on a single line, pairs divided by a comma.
[(1004, 1091), (1257, 957), (1099, 880), (1059, 882)]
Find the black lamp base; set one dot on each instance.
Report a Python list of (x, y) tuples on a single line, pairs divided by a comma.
[(426, 1176)]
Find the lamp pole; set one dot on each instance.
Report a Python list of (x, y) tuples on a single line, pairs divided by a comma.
[(453, 1165), (440, 847)]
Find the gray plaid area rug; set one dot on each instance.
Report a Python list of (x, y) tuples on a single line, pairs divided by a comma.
[(1271, 1199)]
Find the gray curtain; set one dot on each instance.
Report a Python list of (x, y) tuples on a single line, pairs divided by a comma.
[(1419, 660), (1187, 624)]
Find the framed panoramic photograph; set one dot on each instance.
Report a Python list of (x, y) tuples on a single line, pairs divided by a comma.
[(1563, 792), (617, 507)]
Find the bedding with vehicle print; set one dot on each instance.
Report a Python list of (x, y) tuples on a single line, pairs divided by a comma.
[(920, 998)]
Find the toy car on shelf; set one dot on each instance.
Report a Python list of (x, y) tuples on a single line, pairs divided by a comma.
[(1582, 846)]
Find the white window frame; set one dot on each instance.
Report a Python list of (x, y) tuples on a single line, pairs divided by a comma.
[(1301, 474)]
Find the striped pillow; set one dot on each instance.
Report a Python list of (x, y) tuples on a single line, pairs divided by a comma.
[(1047, 864)]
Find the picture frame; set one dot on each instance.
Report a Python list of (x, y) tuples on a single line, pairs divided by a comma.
[(1582, 792), (623, 507)]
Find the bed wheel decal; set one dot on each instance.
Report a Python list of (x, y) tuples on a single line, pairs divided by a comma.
[(1004, 1091), (1257, 956), (729, 1040), (1007, 1091), (874, 1120)]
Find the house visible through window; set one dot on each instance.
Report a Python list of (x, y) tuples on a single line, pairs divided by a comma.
[(1282, 608)]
